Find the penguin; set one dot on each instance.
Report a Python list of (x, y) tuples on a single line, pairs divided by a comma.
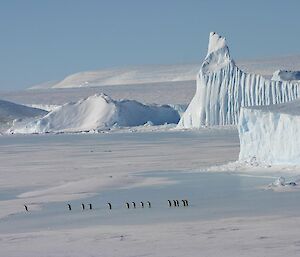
[(142, 204), (109, 205), (175, 203), (82, 206), (90, 205), (149, 204), (170, 203), (26, 208), (184, 204), (127, 205), (134, 205), (69, 206)]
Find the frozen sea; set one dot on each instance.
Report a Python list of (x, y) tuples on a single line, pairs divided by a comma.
[(141, 155), (229, 213)]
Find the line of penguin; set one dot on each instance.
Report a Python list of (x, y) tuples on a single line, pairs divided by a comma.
[(176, 203), (171, 203)]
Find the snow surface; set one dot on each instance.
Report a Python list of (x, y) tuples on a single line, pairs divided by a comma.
[(107, 164), (251, 237), (46, 168), (271, 134), (100, 112), (284, 75), (222, 88)]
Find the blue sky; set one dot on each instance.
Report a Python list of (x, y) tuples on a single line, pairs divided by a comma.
[(42, 40)]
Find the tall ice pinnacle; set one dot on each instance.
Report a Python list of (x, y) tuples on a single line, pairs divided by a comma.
[(217, 54), (216, 42)]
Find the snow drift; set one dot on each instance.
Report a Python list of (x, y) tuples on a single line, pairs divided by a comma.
[(285, 75), (100, 112), (270, 134), (222, 88)]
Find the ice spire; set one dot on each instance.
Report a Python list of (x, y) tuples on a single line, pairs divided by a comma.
[(217, 54), (216, 43)]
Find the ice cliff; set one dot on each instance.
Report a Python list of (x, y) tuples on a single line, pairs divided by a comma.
[(100, 112), (270, 134), (222, 88)]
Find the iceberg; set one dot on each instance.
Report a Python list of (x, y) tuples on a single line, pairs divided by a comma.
[(270, 134), (100, 112), (223, 88)]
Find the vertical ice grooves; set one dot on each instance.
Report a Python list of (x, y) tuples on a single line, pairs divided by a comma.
[(222, 88)]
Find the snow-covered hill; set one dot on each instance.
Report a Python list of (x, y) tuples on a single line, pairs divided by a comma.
[(222, 88), (100, 112), (126, 76), (10, 112), (285, 75), (271, 134)]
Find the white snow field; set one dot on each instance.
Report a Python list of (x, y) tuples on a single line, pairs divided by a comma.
[(270, 134), (99, 112), (222, 88), (284, 75), (228, 215)]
